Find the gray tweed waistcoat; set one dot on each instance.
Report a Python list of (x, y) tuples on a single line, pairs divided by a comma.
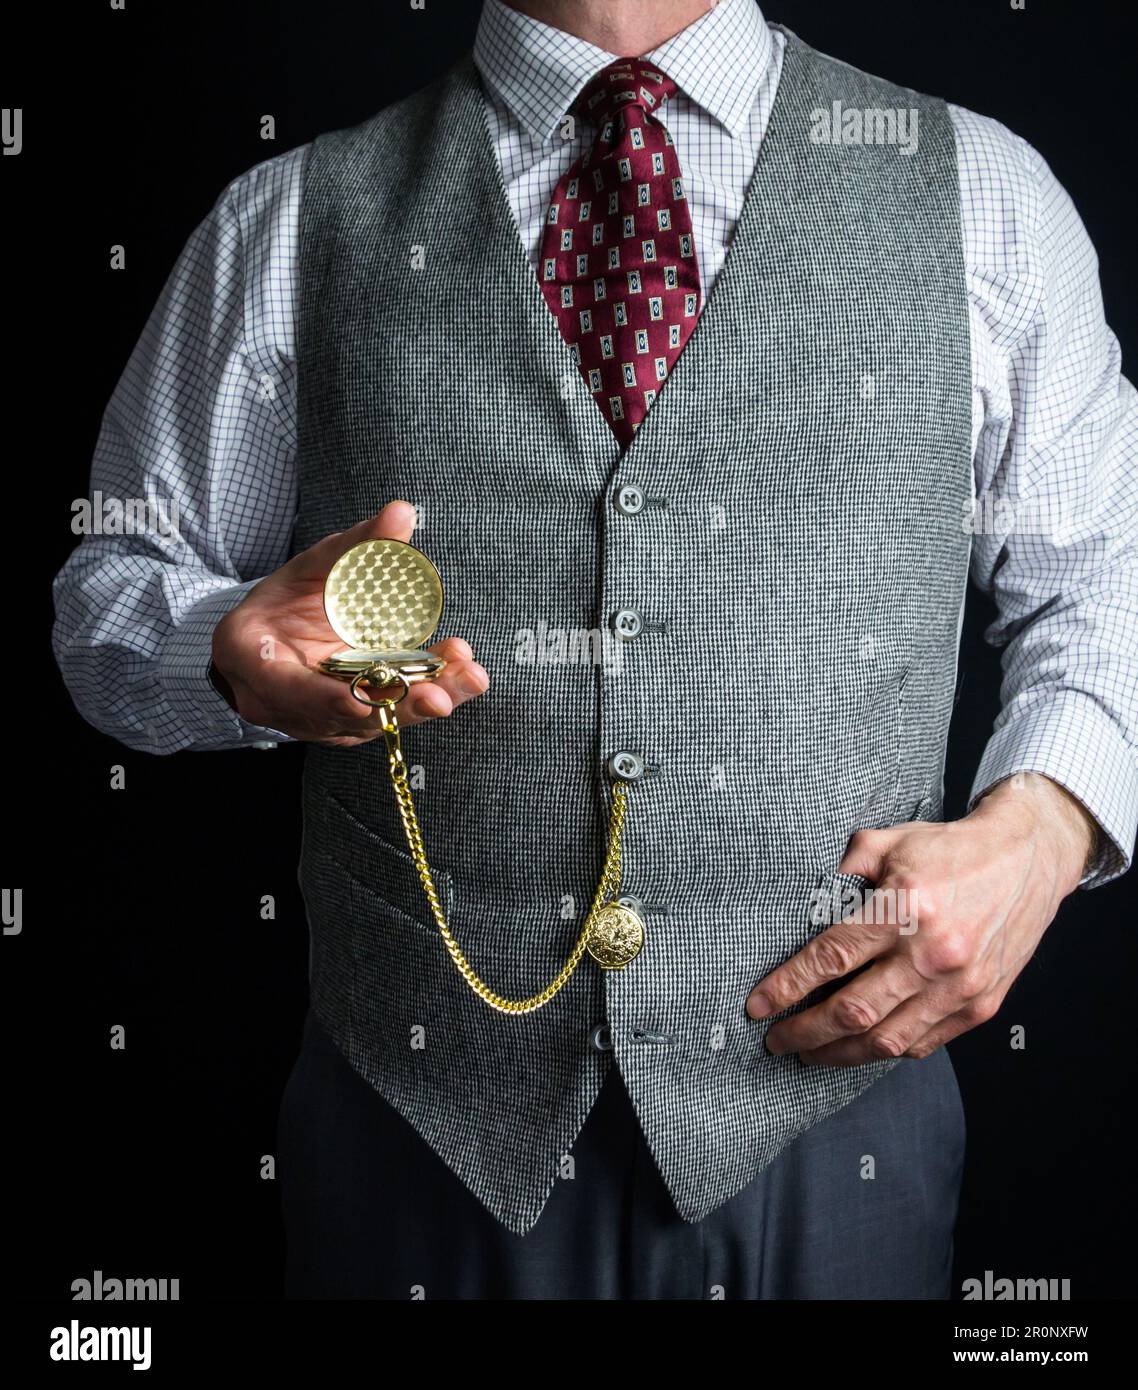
[(798, 566)]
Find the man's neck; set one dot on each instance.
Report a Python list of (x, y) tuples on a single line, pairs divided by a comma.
[(625, 27)]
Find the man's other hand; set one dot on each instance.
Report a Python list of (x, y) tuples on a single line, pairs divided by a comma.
[(981, 892)]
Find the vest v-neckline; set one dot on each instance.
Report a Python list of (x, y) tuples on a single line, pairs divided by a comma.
[(505, 245)]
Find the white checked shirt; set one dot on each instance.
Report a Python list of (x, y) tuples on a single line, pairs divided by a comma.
[(205, 414)]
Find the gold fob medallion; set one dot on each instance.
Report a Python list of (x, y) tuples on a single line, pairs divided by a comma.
[(617, 936)]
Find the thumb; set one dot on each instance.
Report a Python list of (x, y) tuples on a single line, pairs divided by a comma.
[(395, 522)]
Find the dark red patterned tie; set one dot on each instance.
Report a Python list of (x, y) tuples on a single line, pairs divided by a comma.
[(618, 262)]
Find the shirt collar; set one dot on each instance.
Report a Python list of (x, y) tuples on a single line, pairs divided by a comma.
[(536, 70)]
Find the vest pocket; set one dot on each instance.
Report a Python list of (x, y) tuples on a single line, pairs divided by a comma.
[(385, 873)]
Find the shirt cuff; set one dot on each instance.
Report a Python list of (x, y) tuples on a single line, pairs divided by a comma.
[(183, 674), (1072, 741)]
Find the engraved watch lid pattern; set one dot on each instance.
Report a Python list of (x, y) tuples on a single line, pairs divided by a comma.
[(382, 595)]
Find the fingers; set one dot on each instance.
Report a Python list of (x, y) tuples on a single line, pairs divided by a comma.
[(915, 1029), (975, 1012), (866, 853), (892, 1037), (463, 679), (863, 1004), (839, 950), (439, 698), (396, 522)]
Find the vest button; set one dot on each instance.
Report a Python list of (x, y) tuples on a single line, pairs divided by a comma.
[(630, 500), (626, 765), (627, 623), (627, 900), (601, 1038)]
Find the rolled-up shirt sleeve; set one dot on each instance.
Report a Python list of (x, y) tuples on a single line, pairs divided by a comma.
[(193, 492), (1056, 522)]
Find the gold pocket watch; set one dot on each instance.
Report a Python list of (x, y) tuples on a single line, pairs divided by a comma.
[(384, 598)]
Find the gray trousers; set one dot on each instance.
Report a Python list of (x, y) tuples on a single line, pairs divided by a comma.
[(862, 1206)]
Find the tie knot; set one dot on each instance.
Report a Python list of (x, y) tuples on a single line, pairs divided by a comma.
[(629, 82)]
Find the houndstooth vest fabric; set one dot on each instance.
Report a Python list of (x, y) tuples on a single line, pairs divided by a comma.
[(786, 530)]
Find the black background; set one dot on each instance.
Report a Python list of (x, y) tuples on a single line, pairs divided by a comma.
[(141, 907)]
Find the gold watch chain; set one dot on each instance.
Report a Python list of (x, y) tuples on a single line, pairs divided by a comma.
[(607, 889)]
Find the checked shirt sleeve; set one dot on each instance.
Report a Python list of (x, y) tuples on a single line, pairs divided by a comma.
[(1056, 521), (197, 445)]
